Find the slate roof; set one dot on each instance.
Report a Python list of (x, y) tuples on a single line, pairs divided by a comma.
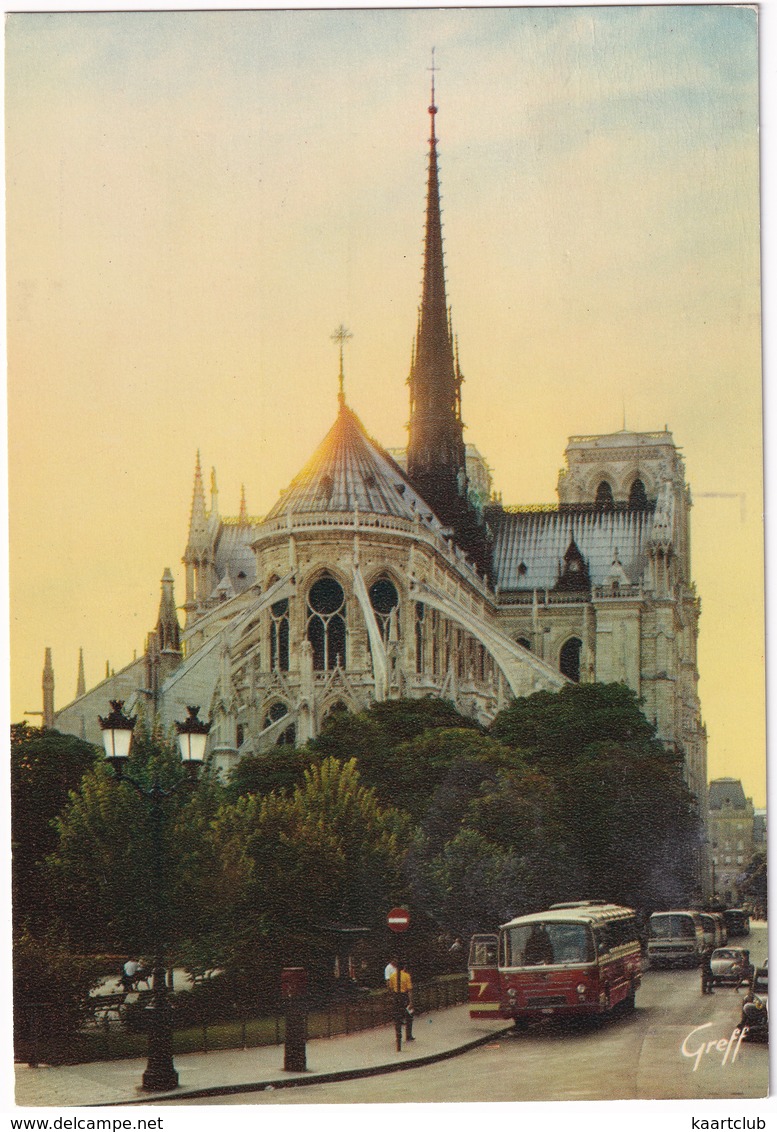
[(350, 470), (234, 554), (529, 546), (727, 790)]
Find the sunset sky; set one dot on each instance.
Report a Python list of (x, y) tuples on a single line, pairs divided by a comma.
[(196, 200)]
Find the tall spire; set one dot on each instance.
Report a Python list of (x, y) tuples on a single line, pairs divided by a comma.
[(436, 431), (436, 453), (81, 684), (167, 627), (198, 518), (214, 493)]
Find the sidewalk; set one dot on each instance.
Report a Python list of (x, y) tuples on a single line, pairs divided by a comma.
[(439, 1034)]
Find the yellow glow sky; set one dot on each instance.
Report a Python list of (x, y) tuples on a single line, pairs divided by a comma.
[(196, 200)]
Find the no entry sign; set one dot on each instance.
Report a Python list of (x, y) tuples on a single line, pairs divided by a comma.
[(398, 919)]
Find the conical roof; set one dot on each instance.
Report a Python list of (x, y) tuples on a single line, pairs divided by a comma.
[(350, 471)]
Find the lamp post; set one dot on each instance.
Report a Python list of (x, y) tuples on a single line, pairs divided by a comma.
[(160, 1074)]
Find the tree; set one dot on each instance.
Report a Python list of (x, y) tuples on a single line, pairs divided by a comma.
[(403, 747), (45, 767), (552, 728), (295, 862), (468, 885), (110, 883), (628, 819), (752, 884), (51, 987)]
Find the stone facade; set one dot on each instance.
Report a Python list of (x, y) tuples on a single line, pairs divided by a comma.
[(731, 830)]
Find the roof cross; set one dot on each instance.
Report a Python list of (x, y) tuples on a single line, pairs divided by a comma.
[(341, 336)]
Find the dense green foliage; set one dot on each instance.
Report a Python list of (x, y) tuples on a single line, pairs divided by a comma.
[(301, 853), (45, 767), (753, 884), (118, 883), (298, 865), (50, 992)]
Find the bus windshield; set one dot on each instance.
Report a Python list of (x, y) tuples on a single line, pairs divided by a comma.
[(528, 945), (671, 927)]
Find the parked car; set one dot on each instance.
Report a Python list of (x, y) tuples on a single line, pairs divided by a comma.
[(755, 1008), (737, 921), (731, 965)]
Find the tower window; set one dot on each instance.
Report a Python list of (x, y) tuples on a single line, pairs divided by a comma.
[(326, 624), (569, 660), (604, 497), (638, 496)]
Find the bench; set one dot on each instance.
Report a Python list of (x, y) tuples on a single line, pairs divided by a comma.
[(107, 1008)]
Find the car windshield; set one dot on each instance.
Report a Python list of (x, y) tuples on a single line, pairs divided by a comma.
[(529, 945), (726, 953), (761, 983), (671, 927)]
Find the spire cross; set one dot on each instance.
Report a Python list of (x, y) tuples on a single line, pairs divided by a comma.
[(433, 69), (341, 336)]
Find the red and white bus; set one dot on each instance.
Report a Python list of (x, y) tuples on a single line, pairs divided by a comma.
[(573, 960)]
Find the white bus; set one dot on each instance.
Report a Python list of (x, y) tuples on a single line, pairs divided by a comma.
[(675, 938)]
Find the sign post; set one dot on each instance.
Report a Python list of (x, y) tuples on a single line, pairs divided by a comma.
[(398, 921)]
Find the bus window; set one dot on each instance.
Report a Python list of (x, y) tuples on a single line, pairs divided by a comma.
[(604, 940), (530, 945), (483, 952)]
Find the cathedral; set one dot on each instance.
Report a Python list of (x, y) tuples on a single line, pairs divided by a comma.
[(380, 574)]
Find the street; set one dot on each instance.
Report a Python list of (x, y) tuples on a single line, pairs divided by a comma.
[(636, 1057)]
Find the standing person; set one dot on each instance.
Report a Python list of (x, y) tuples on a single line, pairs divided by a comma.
[(391, 968), (402, 986), (706, 971)]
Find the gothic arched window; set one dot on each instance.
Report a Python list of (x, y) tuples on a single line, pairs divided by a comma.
[(638, 496), (279, 635), (604, 497), (420, 612), (569, 660), (525, 642), (277, 711), (326, 623), (337, 708), (384, 598)]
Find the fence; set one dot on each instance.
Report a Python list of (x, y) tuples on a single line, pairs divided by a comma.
[(109, 1038)]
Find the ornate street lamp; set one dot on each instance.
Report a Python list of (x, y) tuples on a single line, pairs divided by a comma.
[(160, 1074), (192, 738), (117, 736)]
